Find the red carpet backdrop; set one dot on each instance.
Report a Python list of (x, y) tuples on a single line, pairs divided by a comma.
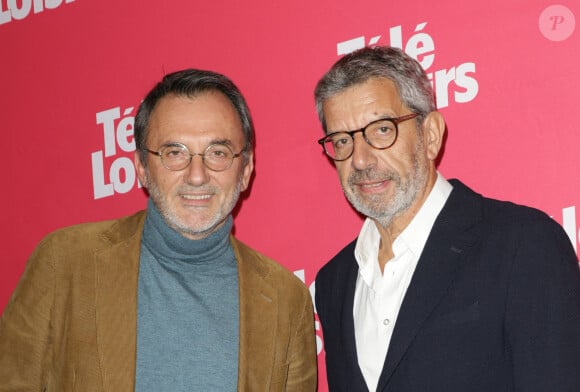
[(74, 71)]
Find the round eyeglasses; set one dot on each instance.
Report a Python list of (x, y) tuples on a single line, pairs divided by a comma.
[(176, 156), (380, 134)]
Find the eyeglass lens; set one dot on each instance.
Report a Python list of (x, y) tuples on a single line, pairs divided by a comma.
[(216, 157), (379, 134)]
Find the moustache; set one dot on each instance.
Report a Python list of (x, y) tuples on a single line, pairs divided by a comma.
[(207, 189), (358, 176)]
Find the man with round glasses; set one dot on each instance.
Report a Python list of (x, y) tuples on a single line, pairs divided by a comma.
[(166, 299), (443, 290)]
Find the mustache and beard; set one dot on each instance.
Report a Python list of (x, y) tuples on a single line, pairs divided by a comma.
[(406, 190), (204, 225)]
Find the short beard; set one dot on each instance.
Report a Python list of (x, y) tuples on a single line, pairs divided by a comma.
[(180, 225), (406, 192)]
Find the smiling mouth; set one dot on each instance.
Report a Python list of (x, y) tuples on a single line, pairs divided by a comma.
[(196, 197), (371, 188), (371, 185)]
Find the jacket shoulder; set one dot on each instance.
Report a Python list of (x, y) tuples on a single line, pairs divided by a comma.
[(494, 212), (104, 233), (79, 242)]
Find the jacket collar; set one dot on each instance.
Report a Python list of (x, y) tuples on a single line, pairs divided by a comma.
[(117, 267), (258, 310)]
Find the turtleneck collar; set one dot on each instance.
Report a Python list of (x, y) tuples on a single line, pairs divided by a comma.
[(166, 244)]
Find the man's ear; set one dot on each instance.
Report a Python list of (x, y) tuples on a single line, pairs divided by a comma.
[(433, 133), (247, 170), (141, 171)]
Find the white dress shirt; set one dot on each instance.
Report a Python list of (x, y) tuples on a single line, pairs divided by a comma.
[(378, 297)]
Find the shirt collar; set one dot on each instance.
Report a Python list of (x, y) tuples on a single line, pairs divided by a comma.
[(413, 237)]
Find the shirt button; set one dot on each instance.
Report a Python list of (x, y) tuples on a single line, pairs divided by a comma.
[(386, 321)]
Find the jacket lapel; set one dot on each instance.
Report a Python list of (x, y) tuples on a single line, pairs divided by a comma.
[(258, 310), (442, 257), (117, 267)]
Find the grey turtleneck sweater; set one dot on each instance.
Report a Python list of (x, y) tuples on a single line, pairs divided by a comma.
[(188, 310)]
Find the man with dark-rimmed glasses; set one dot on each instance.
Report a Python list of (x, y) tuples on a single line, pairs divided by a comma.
[(166, 299), (443, 290)]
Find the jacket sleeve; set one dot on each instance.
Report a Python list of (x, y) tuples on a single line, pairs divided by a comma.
[(25, 326), (543, 311), (302, 370)]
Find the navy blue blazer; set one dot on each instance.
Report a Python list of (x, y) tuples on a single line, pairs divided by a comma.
[(493, 306)]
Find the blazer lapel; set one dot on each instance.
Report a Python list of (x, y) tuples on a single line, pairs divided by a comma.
[(117, 268), (442, 257), (258, 310)]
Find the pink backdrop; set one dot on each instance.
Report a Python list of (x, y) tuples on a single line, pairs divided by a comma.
[(73, 73)]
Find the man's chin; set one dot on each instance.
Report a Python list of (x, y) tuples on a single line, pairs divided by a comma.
[(199, 230)]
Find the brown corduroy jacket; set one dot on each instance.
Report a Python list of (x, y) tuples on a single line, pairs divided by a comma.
[(70, 324)]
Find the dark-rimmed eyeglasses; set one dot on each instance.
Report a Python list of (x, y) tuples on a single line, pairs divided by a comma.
[(176, 156), (380, 134)]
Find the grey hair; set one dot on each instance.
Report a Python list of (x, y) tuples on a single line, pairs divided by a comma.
[(386, 62)]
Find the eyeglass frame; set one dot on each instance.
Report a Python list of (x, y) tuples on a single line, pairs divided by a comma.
[(191, 155), (395, 120)]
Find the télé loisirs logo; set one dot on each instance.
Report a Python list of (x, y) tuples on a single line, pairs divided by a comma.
[(457, 83), (11, 10)]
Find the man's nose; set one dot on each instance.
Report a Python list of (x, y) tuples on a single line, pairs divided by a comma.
[(363, 154), (197, 171)]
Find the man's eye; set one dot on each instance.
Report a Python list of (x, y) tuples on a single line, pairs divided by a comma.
[(219, 153), (342, 142), (174, 153), (380, 128), (384, 129)]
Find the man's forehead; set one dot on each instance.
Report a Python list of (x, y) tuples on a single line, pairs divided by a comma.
[(205, 118), (380, 91)]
